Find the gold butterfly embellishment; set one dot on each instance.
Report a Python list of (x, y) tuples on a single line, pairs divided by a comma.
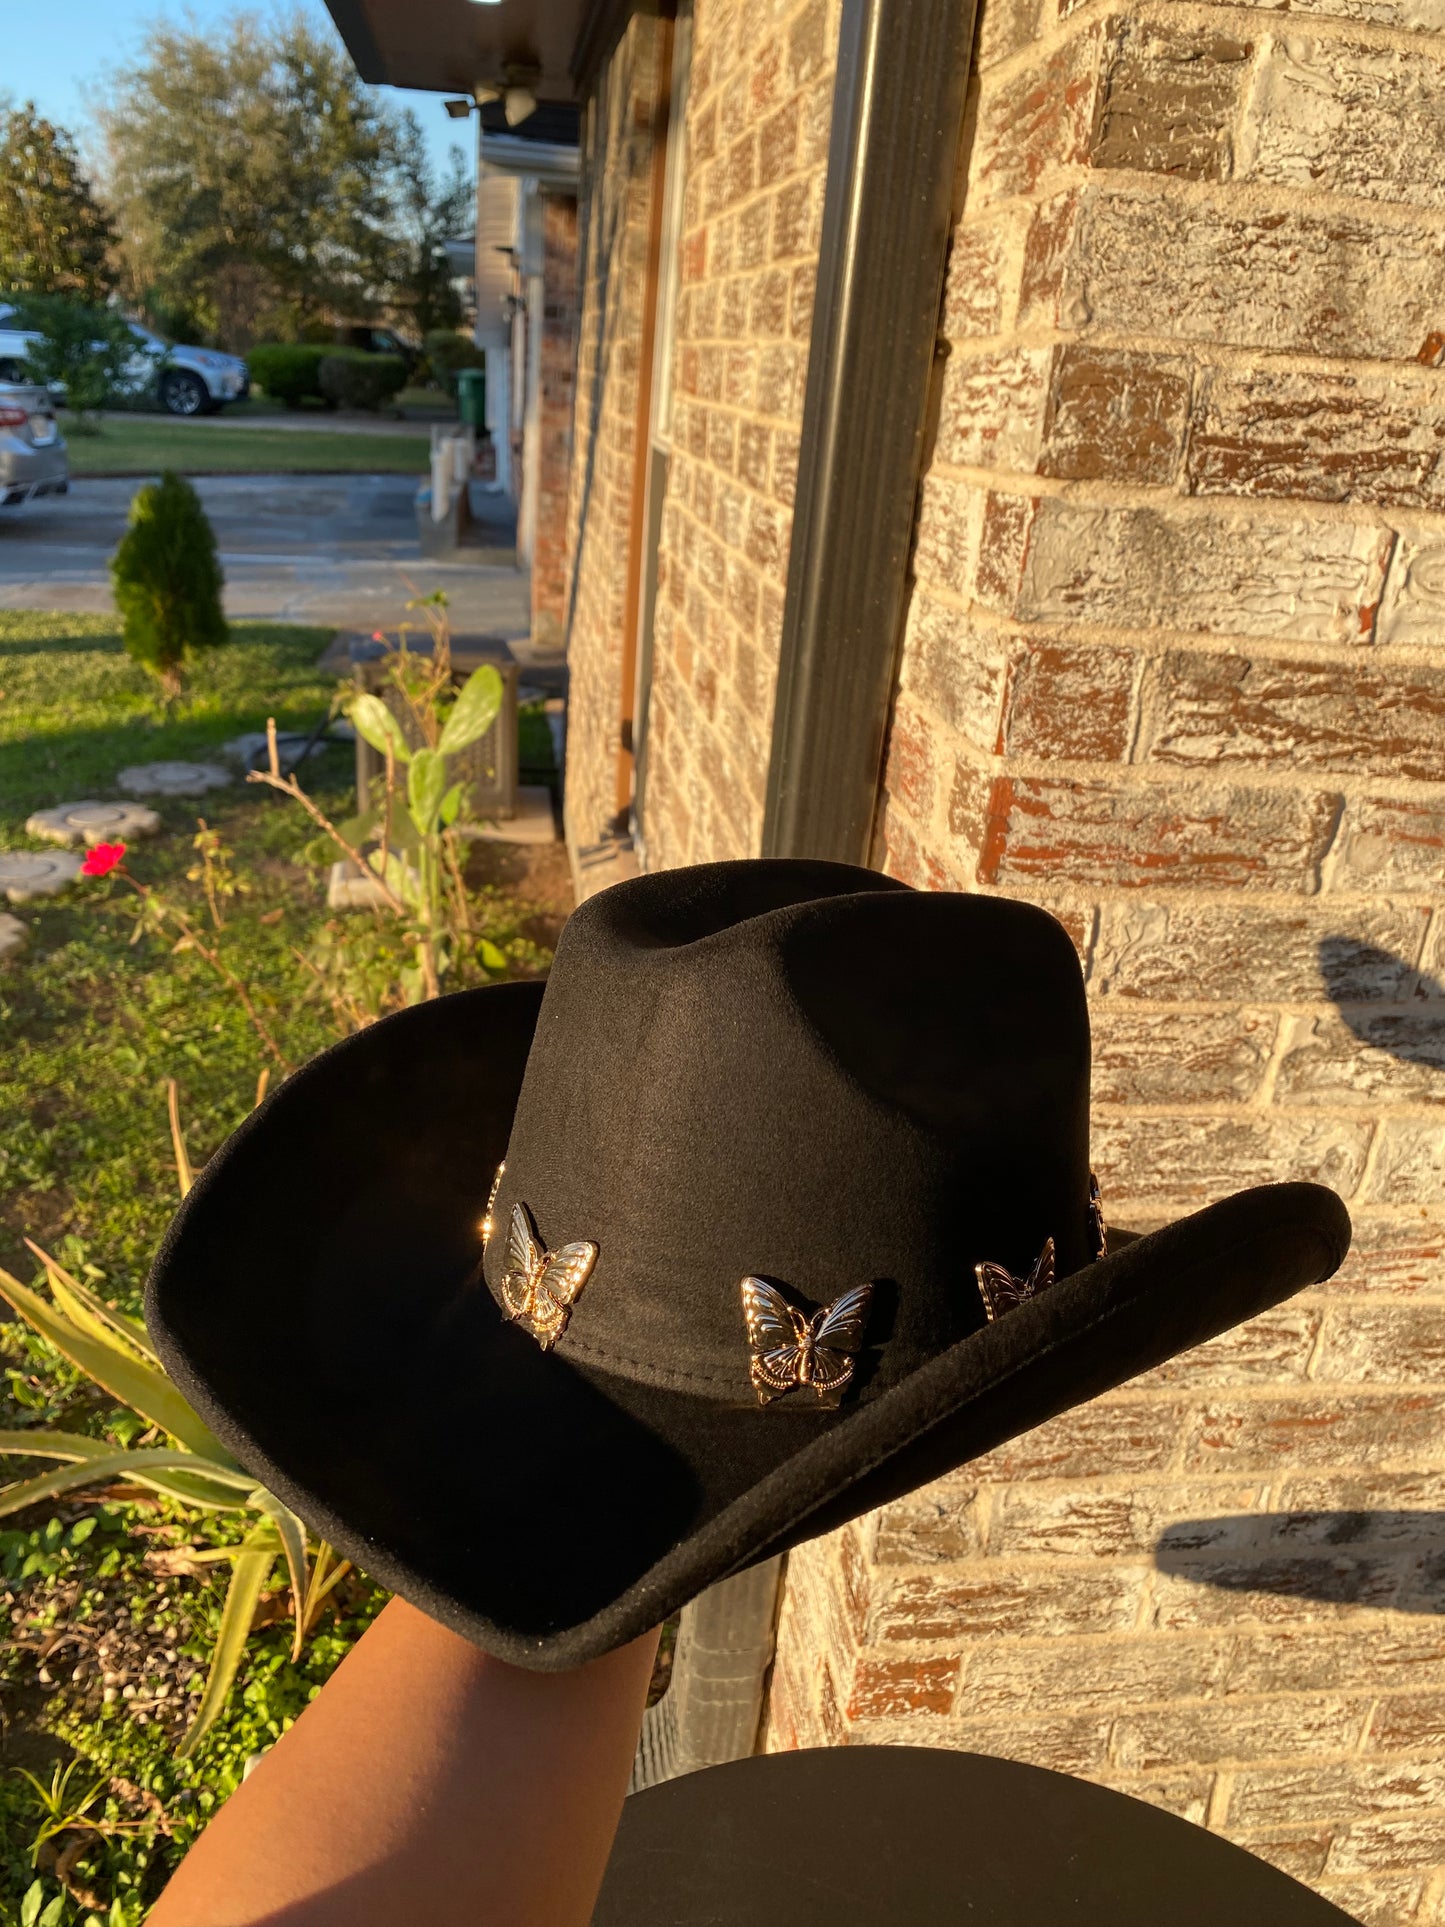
[(1002, 1292), (791, 1348), (540, 1287)]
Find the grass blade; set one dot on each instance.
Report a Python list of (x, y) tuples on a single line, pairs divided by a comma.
[(185, 1176), (35, 1444), (217, 1489), (144, 1387), (252, 1565)]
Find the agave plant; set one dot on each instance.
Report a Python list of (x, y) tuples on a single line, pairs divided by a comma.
[(187, 1463)]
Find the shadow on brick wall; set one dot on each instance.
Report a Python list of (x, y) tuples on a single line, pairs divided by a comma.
[(1359, 978), (1385, 1559)]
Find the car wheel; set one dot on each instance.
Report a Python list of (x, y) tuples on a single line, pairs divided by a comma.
[(183, 393)]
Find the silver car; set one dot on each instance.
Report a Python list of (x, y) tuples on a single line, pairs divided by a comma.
[(33, 460)]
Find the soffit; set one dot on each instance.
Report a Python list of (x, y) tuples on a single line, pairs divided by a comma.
[(454, 46)]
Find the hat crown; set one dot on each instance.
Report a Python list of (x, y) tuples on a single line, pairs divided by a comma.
[(804, 1072)]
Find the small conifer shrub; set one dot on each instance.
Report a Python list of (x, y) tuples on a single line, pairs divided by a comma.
[(168, 581)]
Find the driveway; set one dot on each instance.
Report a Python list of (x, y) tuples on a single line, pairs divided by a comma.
[(329, 550)]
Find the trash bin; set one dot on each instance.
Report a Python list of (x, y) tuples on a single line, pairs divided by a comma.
[(472, 396)]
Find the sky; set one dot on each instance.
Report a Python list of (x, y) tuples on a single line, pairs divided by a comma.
[(61, 54)]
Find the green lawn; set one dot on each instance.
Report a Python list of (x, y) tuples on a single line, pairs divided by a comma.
[(94, 1021), (145, 444)]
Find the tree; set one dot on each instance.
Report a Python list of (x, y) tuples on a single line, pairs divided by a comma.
[(89, 351), (55, 237), (168, 581), (249, 167), (428, 212)]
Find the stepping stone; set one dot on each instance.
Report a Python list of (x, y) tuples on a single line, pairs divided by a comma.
[(93, 823), (13, 935), (173, 779), (348, 888), (36, 873)]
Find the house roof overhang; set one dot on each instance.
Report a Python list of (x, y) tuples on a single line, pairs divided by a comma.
[(458, 46)]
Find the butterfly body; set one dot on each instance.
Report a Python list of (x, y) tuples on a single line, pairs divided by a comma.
[(792, 1348), (1002, 1292), (540, 1287)]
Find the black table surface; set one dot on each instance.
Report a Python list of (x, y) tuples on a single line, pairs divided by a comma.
[(920, 1837)]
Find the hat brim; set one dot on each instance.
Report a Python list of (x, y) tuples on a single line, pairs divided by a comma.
[(318, 1299)]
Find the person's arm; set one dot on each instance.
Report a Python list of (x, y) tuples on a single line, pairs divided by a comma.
[(426, 1783)]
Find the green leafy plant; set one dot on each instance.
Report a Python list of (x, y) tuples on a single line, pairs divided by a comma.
[(420, 725), (177, 1458), (289, 371), (86, 350), (353, 379), (168, 581)]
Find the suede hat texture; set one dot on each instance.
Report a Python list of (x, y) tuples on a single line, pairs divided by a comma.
[(796, 1073)]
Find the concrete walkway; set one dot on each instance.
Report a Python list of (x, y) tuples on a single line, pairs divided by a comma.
[(336, 550), (311, 421)]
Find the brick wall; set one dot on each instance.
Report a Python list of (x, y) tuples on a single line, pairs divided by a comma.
[(759, 107), (1175, 666), (556, 404), (614, 206)]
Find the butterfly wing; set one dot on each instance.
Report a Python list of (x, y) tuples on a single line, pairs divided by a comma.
[(837, 1335), (1042, 1275), (564, 1273), (999, 1290), (775, 1339), (524, 1261)]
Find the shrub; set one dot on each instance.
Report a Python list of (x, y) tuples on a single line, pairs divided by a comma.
[(89, 350), (353, 379), (288, 370), (168, 580), (448, 353)]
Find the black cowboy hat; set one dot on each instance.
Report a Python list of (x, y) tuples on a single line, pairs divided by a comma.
[(913, 1836), (747, 1090)]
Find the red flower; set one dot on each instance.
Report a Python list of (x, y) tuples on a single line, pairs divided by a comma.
[(100, 861)]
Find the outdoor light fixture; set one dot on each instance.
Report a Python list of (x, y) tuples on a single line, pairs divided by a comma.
[(518, 103), (458, 109)]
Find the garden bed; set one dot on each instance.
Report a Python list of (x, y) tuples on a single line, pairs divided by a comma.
[(106, 1620)]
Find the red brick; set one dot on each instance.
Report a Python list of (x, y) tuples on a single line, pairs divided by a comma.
[(1324, 438), (1381, 1900), (957, 666), (1389, 845), (1390, 1844), (888, 1688), (1067, 1744), (1005, 28), (1193, 1160), (1339, 117), (1209, 709), (1383, 1055), (1075, 1676), (1155, 835), (1378, 1428), (1341, 1791), (1115, 416), (1213, 270), (1399, 1256), (1083, 1521), (985, 1599), (1289, 1659), (911, 775), (1209, 571), (1409, 1166), (992, 411), (1412, 608), (1068, 702), (1036, 121), (1229, 952), (1187, 1794), (810, 48), (1222, 1732), (1167, 1057), (938, 1522), (778, 145), (1259, 1590), (1298, 1851), (1408, 1722), (984, 259), (1125, 1435), (1170, 100), (792, 219)]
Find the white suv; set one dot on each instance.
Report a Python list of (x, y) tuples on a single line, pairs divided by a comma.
[(186, 381)]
